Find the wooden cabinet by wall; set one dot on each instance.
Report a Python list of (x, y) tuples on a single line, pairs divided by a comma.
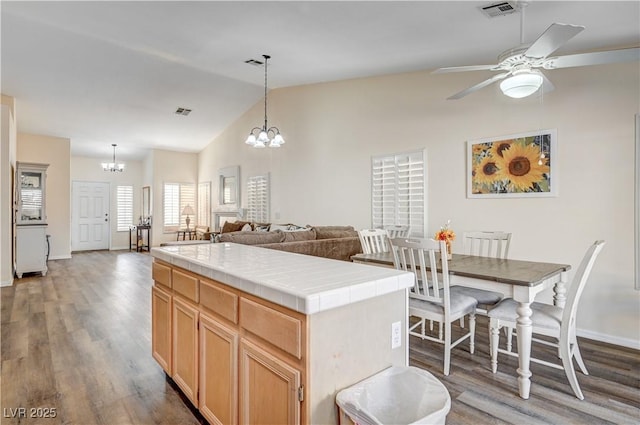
[(185, 348), (270, 390), (218, 372), (161, 327), (234, 368)]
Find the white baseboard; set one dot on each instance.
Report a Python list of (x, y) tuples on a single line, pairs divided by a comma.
[(60, 257), (118, 248), (7, 282), (609, 339)]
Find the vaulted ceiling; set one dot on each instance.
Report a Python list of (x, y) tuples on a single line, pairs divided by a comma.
[(102, 72)]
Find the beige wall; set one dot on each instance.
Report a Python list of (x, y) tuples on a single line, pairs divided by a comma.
[(54, 151), (7, 164), (89, 170), (321, 175)]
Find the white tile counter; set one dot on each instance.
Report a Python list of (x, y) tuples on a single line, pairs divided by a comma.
[(302, 283)]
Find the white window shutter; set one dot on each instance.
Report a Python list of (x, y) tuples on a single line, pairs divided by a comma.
[(398, 191), (258, 199), (124, 207)]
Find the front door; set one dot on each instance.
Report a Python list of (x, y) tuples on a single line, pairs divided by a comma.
[(90, 216)]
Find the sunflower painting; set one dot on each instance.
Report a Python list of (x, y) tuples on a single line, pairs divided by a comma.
[(512, 166)]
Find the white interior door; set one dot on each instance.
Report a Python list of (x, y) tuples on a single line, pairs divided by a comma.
[(90, 216)]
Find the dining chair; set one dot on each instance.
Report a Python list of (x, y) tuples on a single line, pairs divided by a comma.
[(550, 321), (484, 244), (397, 231), (431, 298), (373, 240)]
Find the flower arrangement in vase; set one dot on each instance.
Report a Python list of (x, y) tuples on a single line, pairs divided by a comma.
[(446, 234)]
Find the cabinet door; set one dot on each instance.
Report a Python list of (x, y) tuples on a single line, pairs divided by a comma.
[(268, 388), (161, 327), (185, 348), (218, 372)]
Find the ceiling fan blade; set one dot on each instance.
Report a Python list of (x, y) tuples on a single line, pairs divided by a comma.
[(550, 40), (478, 86), (464, 68), (596, 58)]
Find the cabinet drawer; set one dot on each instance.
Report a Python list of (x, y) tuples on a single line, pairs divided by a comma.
[(161, 274), (219, 301), (285, 332), (185, 285)]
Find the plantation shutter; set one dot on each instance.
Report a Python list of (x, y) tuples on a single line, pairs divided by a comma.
[(124, 207), (398, 191), (176, 197), (204, 204), (258, 199)]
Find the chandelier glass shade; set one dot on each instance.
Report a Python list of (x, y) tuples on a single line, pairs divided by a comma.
[(521, 84), (260, 137), (113, 166)]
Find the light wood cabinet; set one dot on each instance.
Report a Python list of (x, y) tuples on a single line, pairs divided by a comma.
[(161, 327), (185, 348), (270, 390), (218, 372)]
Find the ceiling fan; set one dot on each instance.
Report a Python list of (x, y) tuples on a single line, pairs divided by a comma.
[(521, 76)]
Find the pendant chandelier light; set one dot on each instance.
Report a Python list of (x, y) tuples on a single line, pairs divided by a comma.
[(259, 137), (113, 166)]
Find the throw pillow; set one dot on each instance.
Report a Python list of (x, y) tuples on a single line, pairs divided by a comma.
[(246, 228), (281, 227), (261, 227), (233, 226)]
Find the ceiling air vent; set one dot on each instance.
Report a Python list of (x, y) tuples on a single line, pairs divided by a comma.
[(499, 9), (183, 111)]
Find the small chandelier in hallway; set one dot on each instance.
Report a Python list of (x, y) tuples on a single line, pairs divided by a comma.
[(265, 134), (113, 166)]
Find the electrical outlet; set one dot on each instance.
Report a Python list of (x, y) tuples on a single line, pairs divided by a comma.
[(396, 334)]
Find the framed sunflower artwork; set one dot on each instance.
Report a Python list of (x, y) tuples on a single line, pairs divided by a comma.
[(517, 165)]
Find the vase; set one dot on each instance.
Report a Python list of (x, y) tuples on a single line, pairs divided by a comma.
[(449, 253)]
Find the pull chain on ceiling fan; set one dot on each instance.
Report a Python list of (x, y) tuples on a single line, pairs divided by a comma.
[(521, 76)]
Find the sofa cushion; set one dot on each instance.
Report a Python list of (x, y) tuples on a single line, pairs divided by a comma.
[(305, 235), (252, 238), (330, 232), (233, 226)]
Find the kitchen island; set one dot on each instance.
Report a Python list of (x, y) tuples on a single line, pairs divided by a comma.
[(253, 335)]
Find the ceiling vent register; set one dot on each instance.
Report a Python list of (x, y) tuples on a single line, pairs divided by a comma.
[(502, 8)]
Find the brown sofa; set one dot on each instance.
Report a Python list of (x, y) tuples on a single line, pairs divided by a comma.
[(336, 242)]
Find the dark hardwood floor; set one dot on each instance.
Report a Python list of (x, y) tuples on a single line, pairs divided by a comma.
[(78, 341)]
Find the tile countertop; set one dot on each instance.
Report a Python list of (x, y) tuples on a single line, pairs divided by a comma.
[(302, 283)]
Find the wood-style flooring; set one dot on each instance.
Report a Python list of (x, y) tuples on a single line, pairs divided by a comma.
[(77, 342)]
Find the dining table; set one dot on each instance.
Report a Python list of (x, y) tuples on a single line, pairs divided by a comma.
[(517, 279)]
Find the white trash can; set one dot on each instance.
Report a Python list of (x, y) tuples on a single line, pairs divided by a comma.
[(397, 395)]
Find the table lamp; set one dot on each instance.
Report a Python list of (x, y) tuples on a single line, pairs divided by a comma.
[(188, 210)]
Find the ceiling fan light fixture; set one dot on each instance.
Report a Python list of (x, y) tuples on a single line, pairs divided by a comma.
[(521, 84)]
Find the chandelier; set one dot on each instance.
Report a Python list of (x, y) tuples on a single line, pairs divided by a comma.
[(265, 135), (113, 166)]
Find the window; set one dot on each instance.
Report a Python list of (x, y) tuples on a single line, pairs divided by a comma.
[(124, 199), (398, 191), (176, 197), (204, 204), (258, 199)]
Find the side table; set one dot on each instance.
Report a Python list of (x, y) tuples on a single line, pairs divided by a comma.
[(140, 238)]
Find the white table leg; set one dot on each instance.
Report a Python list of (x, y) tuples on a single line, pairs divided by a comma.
[(560, 290), (524, 334)]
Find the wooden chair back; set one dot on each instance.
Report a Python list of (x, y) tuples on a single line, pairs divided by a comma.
[(569, 313), (397, 231), (486, 244), (373, 240), (422, 257)]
